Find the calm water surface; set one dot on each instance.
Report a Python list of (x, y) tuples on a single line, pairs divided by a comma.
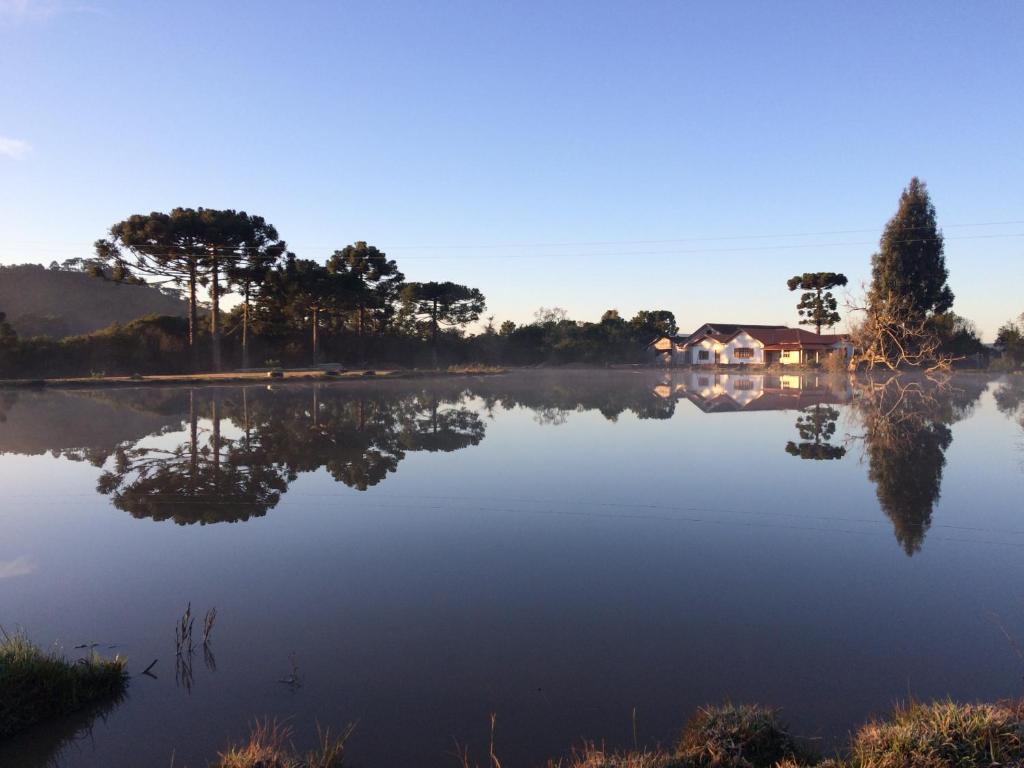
[(556, 548)]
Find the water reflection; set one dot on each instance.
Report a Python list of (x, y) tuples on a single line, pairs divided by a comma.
[(1009, 397), (51, 744), (817, 427), (730, 392), (906, 433), (230, 454), (208, 478), (358, 438)]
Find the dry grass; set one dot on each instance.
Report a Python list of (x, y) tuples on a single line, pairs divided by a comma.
[(270, 746), (747, 736), (941, 734), (592, 756), (938, 735)]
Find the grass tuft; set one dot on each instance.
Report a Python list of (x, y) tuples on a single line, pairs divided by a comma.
[(36, 685), (592, 756), (943, 733), (728, 736), (270, 746)]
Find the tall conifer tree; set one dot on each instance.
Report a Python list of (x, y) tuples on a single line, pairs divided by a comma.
[(910, 266)]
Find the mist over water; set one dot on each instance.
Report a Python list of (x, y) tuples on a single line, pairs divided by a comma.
[(557, 548)]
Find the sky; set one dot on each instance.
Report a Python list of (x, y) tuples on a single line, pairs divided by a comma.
[(588, 155)]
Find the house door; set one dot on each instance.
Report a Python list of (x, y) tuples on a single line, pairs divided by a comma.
[(718, 357)]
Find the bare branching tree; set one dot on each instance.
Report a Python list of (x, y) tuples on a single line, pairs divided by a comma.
[(892, 335)]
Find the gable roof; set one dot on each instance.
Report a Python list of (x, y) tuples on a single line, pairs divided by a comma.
[(794, 338), (772, 336), (722, 332)]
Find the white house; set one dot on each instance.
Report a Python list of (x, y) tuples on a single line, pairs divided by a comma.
[(745, 344)]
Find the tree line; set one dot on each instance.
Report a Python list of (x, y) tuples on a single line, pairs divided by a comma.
[(356, 307), (358, 291)]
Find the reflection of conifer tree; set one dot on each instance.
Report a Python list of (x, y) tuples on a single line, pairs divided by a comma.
[(218, 480), (360, 435), (906, 435), (817, 426), (352, 437), (428, 427)]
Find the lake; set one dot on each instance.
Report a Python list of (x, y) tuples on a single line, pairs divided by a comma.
[(579, 553)]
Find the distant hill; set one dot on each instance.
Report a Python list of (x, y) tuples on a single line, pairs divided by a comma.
[(58, 302)]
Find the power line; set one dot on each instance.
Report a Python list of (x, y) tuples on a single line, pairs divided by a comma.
[(586, 243), (624, 254)]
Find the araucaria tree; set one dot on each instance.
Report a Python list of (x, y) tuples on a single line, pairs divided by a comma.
[(302, 292), (160, 245), (256, 256), (379, 281), (189, 247), (817, 307), (435, 304), (908, 289)]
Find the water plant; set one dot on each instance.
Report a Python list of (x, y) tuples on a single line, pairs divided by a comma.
[(208, 621), (183, 632)]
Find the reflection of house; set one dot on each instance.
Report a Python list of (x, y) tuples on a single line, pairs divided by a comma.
[(731, 344), (715, 392)]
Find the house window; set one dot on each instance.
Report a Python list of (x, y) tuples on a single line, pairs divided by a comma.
[(744, 353), (744, 384), (703, 381), (703, 355), (787, 355)]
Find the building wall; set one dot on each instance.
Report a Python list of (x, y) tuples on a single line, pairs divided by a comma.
[(708, 345), (726, 352), (728, 355)]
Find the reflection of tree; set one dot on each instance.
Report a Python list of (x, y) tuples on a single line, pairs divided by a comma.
[(553, 396), (359, 436), (428, 427), (817, 426), (198, 481), (1010, 398), (352, 437), (906, 435)]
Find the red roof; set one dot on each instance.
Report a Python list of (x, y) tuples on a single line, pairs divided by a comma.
[(774, 337), (794, 338)]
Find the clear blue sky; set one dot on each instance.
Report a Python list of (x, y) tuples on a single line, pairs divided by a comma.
[(533, 150)]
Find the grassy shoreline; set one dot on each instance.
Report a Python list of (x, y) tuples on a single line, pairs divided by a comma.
[(38, 685), (304, 375), (934, 735)]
